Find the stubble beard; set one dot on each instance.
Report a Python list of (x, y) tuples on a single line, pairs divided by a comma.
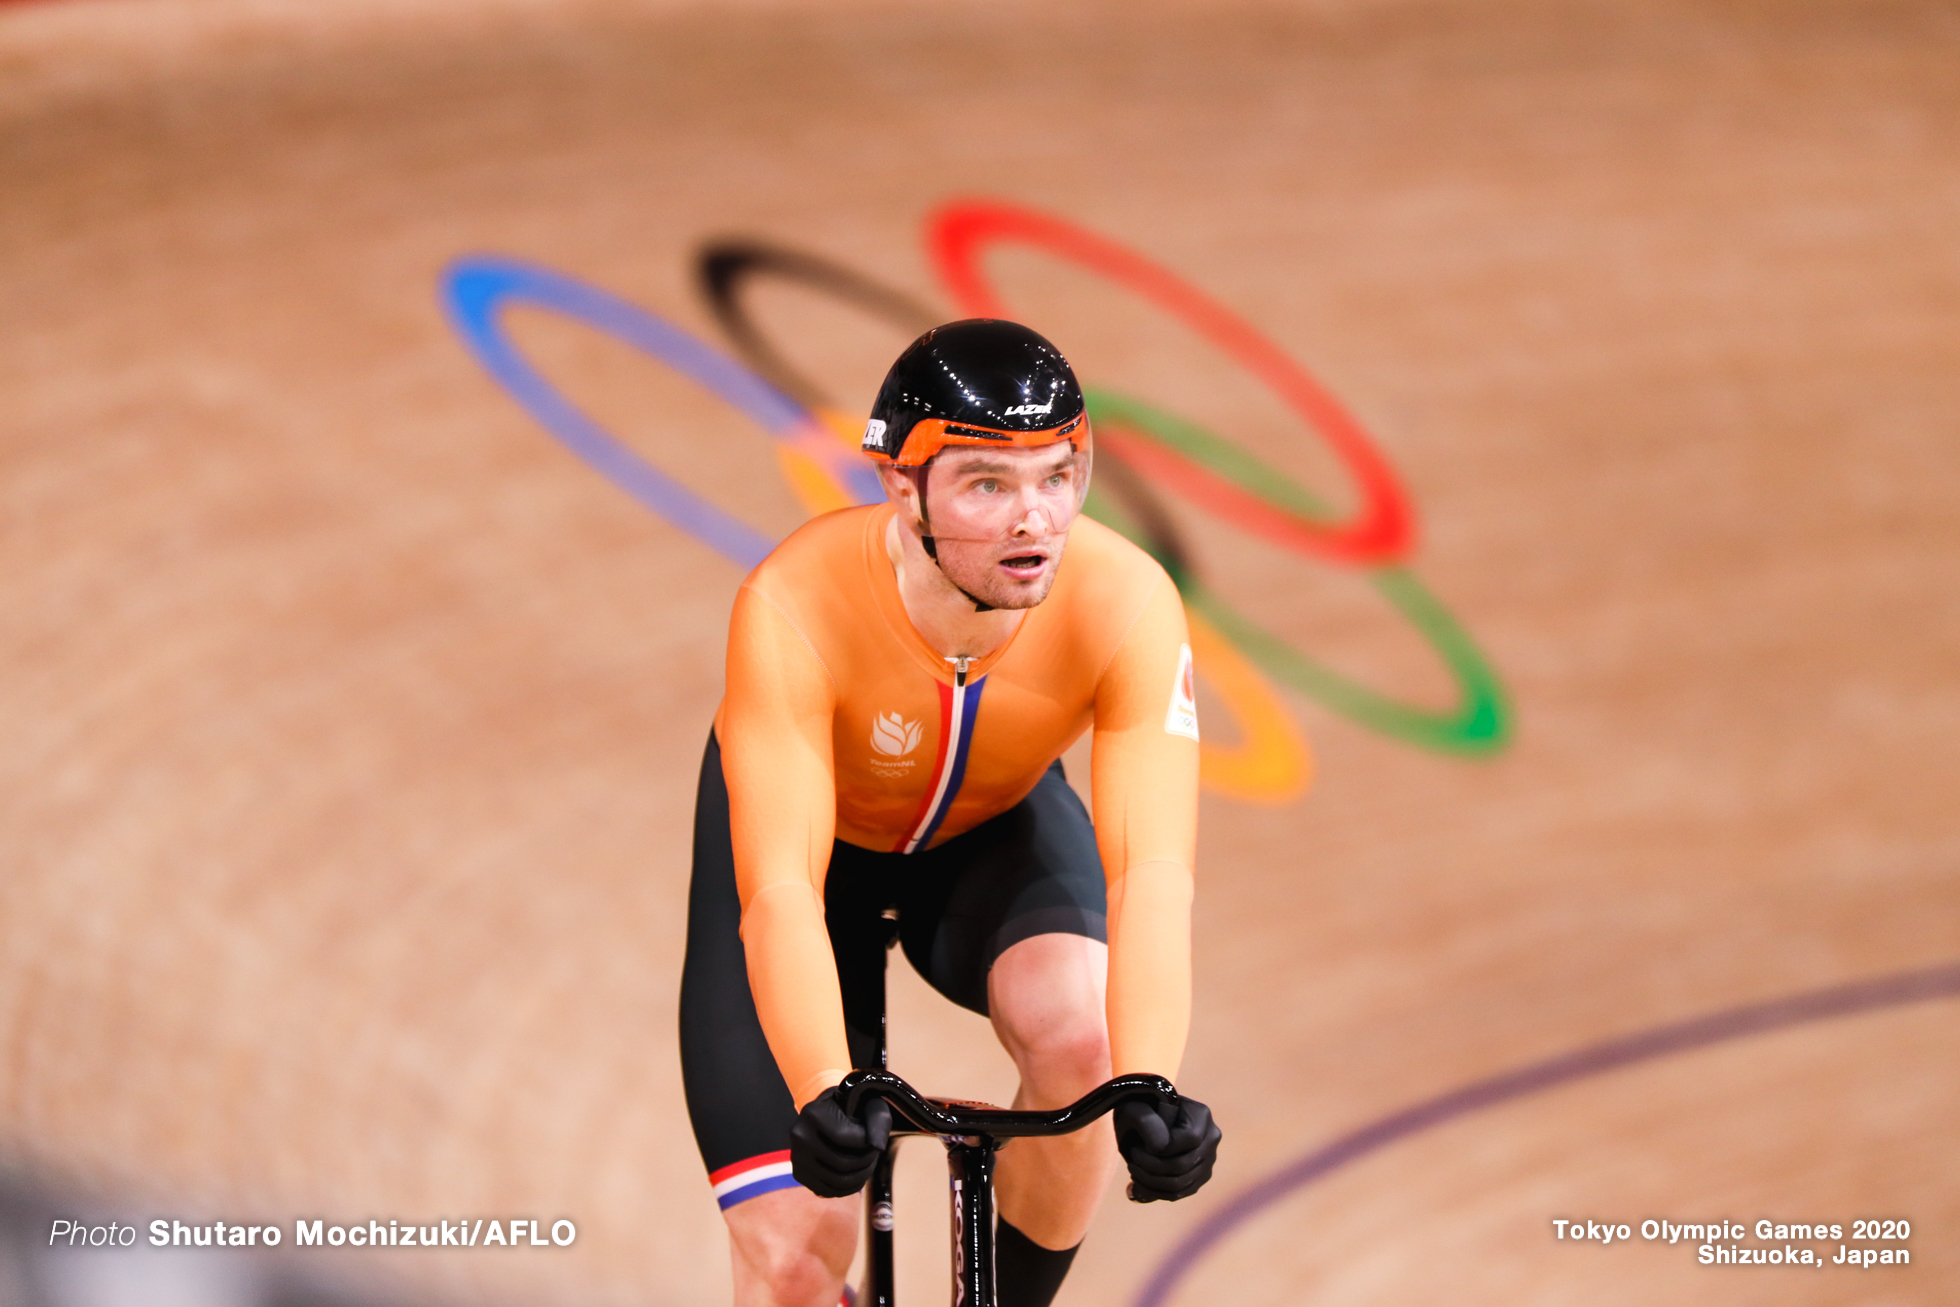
[(984, 581)]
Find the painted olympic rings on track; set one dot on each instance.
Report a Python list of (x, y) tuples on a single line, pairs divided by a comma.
[(1383, 530), (1144, 450), (1217, 476)]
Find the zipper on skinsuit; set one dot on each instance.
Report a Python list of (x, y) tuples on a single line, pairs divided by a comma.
[(956, 719), (959, 716)]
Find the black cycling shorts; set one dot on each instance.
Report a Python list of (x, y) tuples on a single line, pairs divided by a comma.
[(1032, 870)]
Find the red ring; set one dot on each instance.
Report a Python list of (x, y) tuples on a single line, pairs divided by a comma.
[(1382, 532)]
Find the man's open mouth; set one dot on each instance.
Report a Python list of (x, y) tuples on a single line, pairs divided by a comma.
[(1024, 562)]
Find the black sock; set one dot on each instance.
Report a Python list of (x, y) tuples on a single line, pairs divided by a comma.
[(1025, 1273)]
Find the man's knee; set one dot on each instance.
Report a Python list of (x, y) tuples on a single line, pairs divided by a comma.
[(1046, 994), (1076, 1045), (795, 1276), (1064, 1047), (792, 1247)]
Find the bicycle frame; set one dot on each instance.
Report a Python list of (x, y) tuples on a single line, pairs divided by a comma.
[(973, 1133)]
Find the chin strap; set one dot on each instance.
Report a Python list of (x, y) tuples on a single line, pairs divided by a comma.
[(932, 548)]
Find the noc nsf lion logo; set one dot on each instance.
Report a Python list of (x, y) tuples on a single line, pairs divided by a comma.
[(893, 736)]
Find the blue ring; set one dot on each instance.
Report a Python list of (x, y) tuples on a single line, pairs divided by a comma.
[(475, 289)]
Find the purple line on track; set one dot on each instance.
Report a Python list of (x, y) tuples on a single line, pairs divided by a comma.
[(1580, 1064)]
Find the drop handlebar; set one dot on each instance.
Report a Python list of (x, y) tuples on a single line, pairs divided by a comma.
[(947, 1117)]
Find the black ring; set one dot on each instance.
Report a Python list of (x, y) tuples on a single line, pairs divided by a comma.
[(723, 265)]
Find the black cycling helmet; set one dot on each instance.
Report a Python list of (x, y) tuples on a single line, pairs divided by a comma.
[(980, 381)]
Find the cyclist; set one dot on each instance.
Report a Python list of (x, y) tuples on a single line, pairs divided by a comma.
[(902, 680)]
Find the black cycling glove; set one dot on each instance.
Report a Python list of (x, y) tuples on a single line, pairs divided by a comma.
[(830, 1153), (1170, 1156)]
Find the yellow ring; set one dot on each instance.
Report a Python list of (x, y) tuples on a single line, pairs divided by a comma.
[(1272, 763), (814, 485)]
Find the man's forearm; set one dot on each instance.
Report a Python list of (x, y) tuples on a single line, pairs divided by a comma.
[(793, 977), (1150, 968)]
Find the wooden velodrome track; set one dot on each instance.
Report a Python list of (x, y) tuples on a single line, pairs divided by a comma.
[(349, 721)]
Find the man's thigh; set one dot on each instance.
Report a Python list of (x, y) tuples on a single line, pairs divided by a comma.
[(736, 1100)]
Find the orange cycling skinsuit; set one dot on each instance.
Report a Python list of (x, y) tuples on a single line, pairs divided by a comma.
[(853, 769)]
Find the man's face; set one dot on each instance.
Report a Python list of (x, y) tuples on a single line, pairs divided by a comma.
[(1000, 518)]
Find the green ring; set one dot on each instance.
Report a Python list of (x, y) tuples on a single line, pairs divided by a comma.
[(1482, 719)]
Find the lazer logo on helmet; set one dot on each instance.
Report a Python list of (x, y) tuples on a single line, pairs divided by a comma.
[(874, 435), (1023, 410)]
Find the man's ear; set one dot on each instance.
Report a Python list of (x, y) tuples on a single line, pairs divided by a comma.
[(902, 488)]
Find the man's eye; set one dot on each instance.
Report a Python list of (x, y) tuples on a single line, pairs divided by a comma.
[(988, 486), (1056, 478)]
